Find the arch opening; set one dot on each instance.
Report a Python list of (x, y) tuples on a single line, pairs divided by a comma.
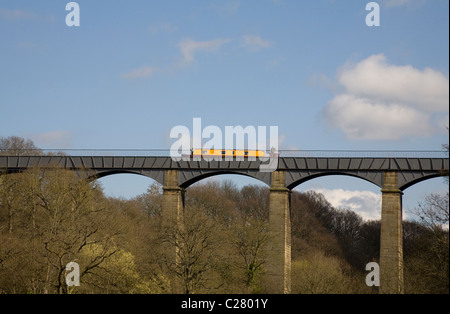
[(223, 176), (417, 194), (374, 179), (229, 196), (421, 179), (126, 185), (345, 191)]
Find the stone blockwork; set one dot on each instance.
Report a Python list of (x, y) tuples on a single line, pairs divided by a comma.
[(173, 198), (278, 265), (171, 214), (391, 241)]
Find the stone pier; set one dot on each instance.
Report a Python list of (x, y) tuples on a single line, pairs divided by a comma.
[(171, 214), (173, 198), (278, 257), (391, 241)]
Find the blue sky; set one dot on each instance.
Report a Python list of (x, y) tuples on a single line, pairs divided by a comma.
[(133, 70)]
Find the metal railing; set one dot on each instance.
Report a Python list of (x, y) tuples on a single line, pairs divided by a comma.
[(364, 154), (281, 153)]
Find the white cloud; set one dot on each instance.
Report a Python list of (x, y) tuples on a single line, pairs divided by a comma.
[(254, 43), (365, 203), (363, 118), (375, 78), (142, 72), (189, 48), (384, 101)]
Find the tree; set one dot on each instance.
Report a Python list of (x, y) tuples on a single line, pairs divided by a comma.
[(311, 220), (196, 241), (12, 199), (427, 261), (254, 202), (11, 193), (60, 215), (434, 211), (216, 200), (319, 274), (250, 237), (346, 225), (151, 200), (17, 146), (70, 219)]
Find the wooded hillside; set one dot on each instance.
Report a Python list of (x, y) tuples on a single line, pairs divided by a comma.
[(51, 218)]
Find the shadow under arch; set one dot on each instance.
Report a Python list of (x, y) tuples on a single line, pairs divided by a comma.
[(411, 182), (158, 176), (264, 178)]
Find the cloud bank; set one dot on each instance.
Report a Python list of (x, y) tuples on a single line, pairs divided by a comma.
[(381, 101)]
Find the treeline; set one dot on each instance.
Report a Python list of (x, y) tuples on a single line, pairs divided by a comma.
[(48, 219), (356, 242), (51, 218)]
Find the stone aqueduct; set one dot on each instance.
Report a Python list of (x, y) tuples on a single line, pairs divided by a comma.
[(392, 175)]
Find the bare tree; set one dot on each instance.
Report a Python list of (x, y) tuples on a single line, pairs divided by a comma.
[(430, 259), (196, 243), (251, 236), (59, 216), (17, 146), (434, 211)]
